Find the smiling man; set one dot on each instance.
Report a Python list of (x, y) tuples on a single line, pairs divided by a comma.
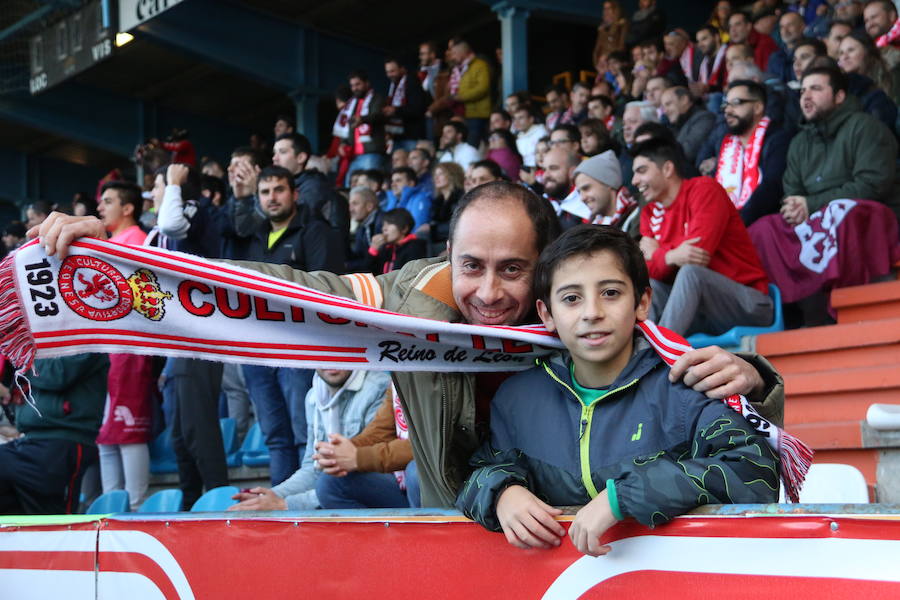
[(496, 234), (704, 271)]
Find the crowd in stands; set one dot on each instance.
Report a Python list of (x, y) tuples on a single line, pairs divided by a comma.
[(729, 156)]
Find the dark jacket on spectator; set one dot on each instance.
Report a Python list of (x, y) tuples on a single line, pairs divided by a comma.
[(392, 257), (359, 259), (692, 129), (646, 26), (766, 198), (70, 392), (377, 144), (413, 111), (441, 211), (318, 194), (308, 244), (847, 155), (873, 100)]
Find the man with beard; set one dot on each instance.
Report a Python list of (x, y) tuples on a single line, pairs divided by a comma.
[(753, 155), (840, 151), (406, 104), (880, 17), (711, 68), (741, 31), (559, 168)]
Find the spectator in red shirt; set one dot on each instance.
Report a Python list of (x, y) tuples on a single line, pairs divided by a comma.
[(705, 273), (741, 31)]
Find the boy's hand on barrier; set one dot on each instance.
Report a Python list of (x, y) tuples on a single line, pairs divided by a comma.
[(590, 523), (526, 521)]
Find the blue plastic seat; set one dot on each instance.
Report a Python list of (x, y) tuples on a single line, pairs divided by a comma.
[(163, 501), (731, 339), (216, 499), (115, 501), (229, 440), (254, 452), (162, 454)]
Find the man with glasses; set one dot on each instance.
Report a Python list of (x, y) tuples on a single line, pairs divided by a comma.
[(753, 155), (566, 137)]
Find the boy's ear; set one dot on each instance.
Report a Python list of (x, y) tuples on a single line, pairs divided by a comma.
[(543, 312), (643, 308)]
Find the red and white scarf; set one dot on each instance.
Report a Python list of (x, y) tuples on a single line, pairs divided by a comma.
[(738, 170), (396, 98), (402, 430), (341, 128), (610, 122), (363, 130), (111, 298), (890, 37), (456, 75), (712, 76), (625, 202), (686, 60)]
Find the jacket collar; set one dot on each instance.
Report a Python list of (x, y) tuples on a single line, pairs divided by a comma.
[(643, 359), (830, 125)]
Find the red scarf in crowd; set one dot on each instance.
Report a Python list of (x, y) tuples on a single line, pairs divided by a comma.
[(456, 75), (891, 37), (686, 60), (112, 298), (610, 122), (625, 203), (738, 170), (396, 98), (713, 76), (363, 131)]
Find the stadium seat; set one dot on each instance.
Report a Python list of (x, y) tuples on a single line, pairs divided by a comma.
[(115, 501), (731, 339), (216, 499), (229, 440), (254, 452), (831, 483), (162, 454), (883, 416), (163, 501)]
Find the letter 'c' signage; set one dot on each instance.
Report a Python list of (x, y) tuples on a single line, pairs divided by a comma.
[(134, 12)]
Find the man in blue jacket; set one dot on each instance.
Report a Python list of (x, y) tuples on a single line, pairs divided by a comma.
[(406, 193)]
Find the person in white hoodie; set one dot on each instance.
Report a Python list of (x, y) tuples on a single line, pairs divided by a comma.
[(341, 402)]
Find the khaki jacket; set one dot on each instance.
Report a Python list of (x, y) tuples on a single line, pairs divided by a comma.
[(440, 407)]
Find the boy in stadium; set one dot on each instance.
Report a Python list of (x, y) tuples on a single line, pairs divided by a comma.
[(600, 424)]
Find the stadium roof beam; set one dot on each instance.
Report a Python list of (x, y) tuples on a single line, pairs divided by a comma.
[(27, 20)]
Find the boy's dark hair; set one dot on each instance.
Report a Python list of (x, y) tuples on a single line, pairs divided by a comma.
[(491, 166), (299, 142), (603, 99), (400, 218), (275, 172), (836, 78), (376, 175), (583, 240), (818, 46), (572, 130), (129, 193), (287, 119), (460, 128), (249, 152), (660, 151), (358, 74), (541, 213), (406, 172)]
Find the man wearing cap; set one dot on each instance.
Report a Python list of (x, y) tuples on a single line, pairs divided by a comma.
[(599, 182)]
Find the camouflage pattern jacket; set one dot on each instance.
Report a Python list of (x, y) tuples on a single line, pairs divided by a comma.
[(659, 449)]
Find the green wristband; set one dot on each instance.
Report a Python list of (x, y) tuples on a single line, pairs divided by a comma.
[(613, 499)]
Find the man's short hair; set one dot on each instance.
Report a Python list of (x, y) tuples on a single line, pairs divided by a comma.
[(652, 43), (214, 185), (756, 91), (460, 128), (656, 131), (602, 99), (711, 29), (541, 213), (400, 218), (584, 240), (646, 108), (492, 167), (432, 45), (376, 175), (129, 193), (407, 172), (555, 87), (836, 78), (572, 130), (840, 22), (886, 5), (276, 172), (249, 152), (583, 85), (738, 13), (298, 141), (682, 92), (661, 151), (358, 74), (503, 114), (287, 119), (367, 194), (426, 155), (818, 46), (667, 83), (393, 59)]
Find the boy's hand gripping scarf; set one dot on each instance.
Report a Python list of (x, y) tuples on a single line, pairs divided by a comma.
[(108, 297)]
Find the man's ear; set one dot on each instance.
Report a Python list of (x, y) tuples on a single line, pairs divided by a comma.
[(642, 313), (668, 169), (840, 96), (302, 158), (543, 312), (128, 209)]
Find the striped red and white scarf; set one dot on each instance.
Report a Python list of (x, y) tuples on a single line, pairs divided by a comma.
[(396, 98), (890, 37), (112, 298), (738, 169)]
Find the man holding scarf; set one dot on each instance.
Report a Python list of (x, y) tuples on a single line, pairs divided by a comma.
[(495, 238), (753, 155), (366, 135), (405, 110)]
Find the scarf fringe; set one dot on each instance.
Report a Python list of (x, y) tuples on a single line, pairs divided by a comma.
[(796, 458), (17, 343)]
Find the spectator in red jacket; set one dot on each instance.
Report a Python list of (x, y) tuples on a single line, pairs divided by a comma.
[(705, 274), (741, 30)]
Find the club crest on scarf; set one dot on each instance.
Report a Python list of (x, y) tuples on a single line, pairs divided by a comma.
[(96, 290)]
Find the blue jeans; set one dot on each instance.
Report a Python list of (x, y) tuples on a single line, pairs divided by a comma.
[(279, 399), (477, 129), (366, 490), (365, 162)]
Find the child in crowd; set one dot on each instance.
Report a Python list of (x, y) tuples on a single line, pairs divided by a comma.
[(600, 424), (396, 245)]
